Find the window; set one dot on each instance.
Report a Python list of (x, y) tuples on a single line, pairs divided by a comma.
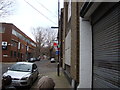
[(22, 46), (11, 53), (21, 67), (14, 32), (21, 55), (17, 34), (33, 44), (18, 55), (13, 43), (15, 54), (2, 29)]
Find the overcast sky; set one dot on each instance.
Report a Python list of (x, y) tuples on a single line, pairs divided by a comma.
[(34, 13)]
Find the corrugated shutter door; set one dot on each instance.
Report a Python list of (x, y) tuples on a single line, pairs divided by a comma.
[(106, 51)]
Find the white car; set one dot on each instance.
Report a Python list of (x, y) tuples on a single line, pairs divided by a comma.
[(32, 60), (22, 73), (52, 60)]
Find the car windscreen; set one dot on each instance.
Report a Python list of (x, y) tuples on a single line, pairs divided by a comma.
[(21, 67)]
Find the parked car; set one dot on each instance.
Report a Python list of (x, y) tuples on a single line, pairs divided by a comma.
[(32, 59), (52, 60), (22, 73), (38, 58)]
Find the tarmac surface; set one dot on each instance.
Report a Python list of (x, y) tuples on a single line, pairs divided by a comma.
[(60, 81), (46, 68)]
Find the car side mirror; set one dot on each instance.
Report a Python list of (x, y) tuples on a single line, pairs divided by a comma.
[(8, 68), (34, 70)]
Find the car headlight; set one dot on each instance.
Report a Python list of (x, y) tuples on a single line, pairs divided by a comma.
[(24, 78)]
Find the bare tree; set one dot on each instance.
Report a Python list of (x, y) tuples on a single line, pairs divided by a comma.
[(44, 38), (6, 7), (51, 37), (39, 36)]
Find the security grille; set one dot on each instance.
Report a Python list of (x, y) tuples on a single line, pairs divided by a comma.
[(106, 50)]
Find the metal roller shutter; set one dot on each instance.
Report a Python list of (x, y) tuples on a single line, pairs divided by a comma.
[(106, 50)]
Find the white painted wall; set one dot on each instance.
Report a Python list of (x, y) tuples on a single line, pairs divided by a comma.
[(69, 10), (85, 80), (68, 48)]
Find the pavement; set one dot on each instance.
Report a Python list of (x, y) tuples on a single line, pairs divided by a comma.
[(60, 81)]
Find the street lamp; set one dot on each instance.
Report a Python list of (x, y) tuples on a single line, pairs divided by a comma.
[(58, 65), (54, 27)]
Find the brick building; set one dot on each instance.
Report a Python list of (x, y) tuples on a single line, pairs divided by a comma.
[(69, 41), (16, 46), (90, 44)]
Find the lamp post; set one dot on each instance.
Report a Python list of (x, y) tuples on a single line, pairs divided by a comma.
[(58, 39), (58, 65)]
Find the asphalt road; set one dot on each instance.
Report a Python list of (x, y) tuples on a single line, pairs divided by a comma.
[(5, 66), (44, 66)]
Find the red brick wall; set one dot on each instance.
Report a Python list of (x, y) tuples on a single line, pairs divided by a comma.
[(7, 36)]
